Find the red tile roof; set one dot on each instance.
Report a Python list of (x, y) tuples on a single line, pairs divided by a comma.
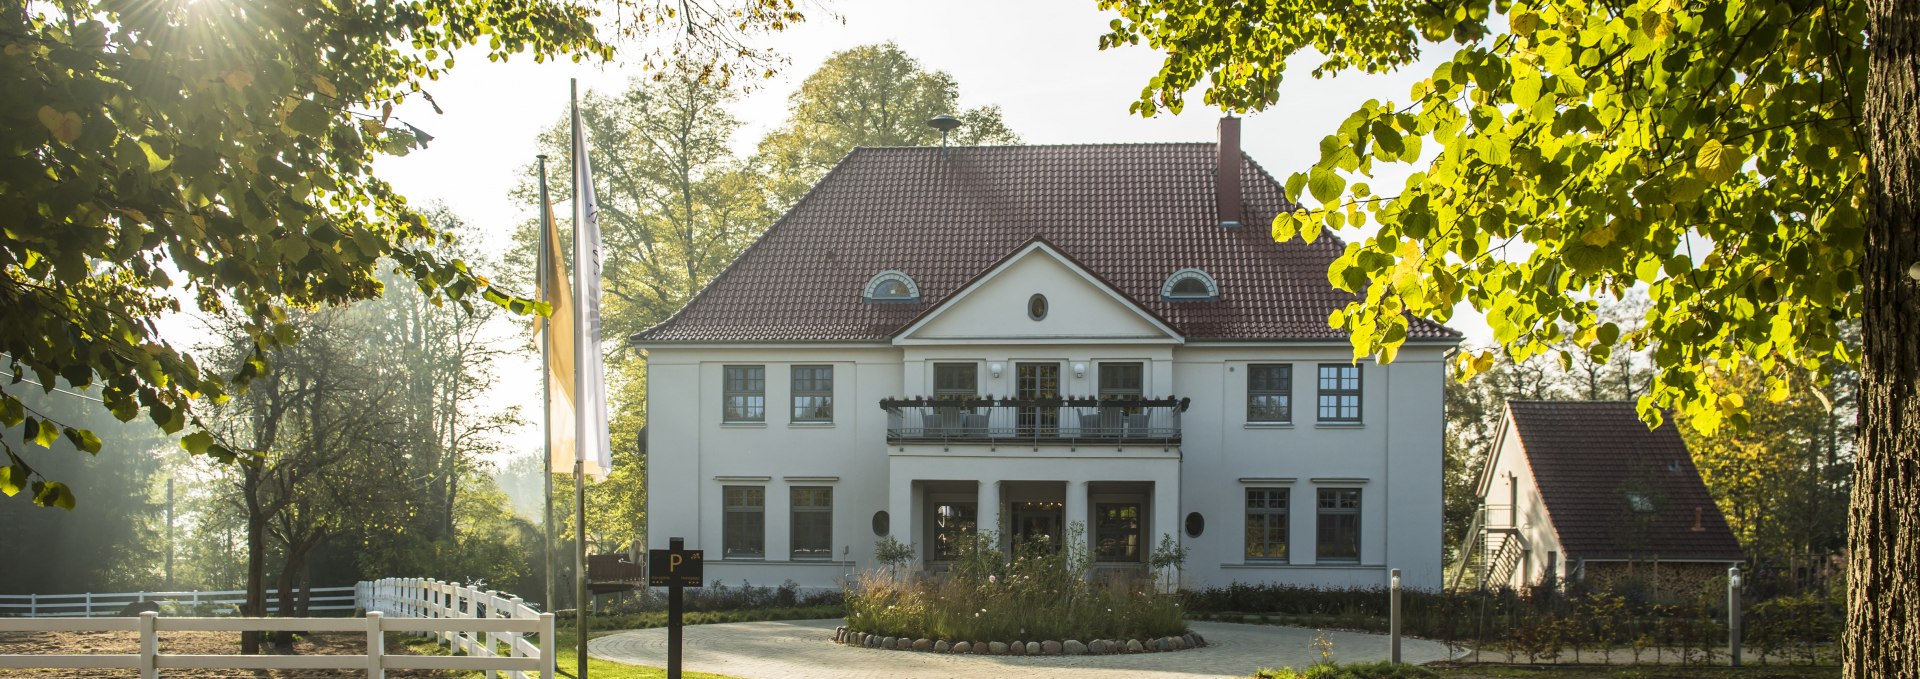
[(1131, 214), (1587, 457)]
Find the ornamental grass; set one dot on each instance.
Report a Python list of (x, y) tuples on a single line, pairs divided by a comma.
[(1040, 593)]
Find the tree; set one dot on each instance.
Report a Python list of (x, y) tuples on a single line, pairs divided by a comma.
[(1715, 153), (230, 144), (872, 95)]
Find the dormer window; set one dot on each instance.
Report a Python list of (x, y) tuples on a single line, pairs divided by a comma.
[(1190, 285), (892, 287)]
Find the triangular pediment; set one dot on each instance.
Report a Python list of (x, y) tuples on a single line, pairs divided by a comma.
[(1079, 307)]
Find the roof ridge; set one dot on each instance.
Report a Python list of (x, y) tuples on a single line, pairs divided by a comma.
[(1113, 144)]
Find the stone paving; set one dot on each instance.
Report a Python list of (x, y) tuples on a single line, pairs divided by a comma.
[(802, 649)]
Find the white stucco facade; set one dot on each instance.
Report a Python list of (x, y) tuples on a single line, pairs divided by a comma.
[(1198, 478)]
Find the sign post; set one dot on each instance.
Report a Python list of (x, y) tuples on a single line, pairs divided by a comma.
[(675, 568)]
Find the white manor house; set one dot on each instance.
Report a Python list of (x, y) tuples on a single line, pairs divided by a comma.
[(1028, 338)]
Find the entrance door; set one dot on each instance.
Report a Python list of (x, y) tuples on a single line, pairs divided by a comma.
[(1037, 522), (1034, 381)]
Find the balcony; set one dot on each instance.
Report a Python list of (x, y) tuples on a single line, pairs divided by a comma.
[(1070, 421)]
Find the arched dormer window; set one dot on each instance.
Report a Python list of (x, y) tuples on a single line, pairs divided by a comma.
[(892, 287), (1190, 285)]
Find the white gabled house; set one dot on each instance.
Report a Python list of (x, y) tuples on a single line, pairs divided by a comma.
[(1030, 338)]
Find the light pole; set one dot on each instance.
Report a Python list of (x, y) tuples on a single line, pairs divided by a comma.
[(1733, 615)]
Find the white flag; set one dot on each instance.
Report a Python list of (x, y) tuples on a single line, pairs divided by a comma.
[(590, 392)]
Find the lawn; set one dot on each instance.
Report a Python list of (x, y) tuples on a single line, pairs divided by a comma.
[(567, 662)]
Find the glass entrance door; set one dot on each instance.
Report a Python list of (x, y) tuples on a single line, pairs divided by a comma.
[(1034, 381), (1037, 522)]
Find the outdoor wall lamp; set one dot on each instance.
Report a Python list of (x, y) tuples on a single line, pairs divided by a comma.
[(995, 368), (1079, 370)]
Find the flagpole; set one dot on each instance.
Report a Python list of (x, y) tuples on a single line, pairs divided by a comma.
[(581, 417), (546, 377)]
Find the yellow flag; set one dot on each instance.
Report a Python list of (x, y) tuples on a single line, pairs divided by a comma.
[(556, 291)]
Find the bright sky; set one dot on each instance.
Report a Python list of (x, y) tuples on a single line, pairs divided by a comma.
[(1039, 62)]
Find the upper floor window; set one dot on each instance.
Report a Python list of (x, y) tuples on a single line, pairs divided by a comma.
[(744, 395), (1190, 285), (1269, 393), (812, 393), (892, 286), (1339, 392), (956, 380), (1121, 381)]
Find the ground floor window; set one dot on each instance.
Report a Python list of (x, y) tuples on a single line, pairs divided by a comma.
[(1339, 525), (1116, 533), (1266, 524), (953, 522), (743, 533), (812, 522)]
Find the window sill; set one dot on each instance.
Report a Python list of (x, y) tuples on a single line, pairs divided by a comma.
[(810, 425), (1258, 564), (1339, 425), (747, 559), (1269, 425), (1284, 564), (743, 425)]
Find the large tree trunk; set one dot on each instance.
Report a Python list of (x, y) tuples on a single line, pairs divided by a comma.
[(1883, 612), (256, 605)]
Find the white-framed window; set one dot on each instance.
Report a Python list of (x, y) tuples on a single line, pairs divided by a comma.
[(1270, 393), (1337, 535), (812, 393), (743, 532), (1190, 285), (1266, 524), (891, 287), (812, 528), (744, 394), (1339, 392)]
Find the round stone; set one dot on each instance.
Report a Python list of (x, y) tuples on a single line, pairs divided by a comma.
[(942, 646), (1134, 646), (1073, 647), (1033, 648), (1197, 639), (962, 647), (1050, 647), (923, 644), (997, 647)]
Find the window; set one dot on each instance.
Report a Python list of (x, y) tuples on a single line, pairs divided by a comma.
[(1339, 392), (744, 531), (745, 394), (1267, 524), (956, 380), (953, 522), (1037, 307), (1269, 393), (812, 522), (1339, 530), (1120, 381), (891, 287), (1190, 285), (812, 393), (1116, 531)]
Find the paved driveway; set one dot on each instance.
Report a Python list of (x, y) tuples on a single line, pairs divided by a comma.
[(803, 649)]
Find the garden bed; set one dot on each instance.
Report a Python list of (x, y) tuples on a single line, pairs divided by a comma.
[(842, 635)]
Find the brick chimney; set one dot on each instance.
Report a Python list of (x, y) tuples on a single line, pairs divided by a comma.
[(1227, 174)]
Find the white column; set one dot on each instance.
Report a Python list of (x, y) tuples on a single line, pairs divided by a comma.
[(1166, 517), (900, 507), (1076, 512), (989, 504)]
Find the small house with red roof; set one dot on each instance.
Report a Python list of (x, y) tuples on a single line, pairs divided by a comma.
[(1093, 347), (1584, 491)]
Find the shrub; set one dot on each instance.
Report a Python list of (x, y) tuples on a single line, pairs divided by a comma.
[(721, 597), (1040, 593), (1373, 670)]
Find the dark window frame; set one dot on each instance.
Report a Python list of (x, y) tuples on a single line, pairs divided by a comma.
[(815, 387), (1342, 393), (739, 519), (1105, 526), (1274, 510), (1336, 504), (1280, 387), (800, 507), (752, 406), (944, 536)]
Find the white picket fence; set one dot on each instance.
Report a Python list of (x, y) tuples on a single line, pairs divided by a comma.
[(481, 624), (94, 604)]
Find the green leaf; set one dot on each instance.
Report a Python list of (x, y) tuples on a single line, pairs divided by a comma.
[(13, 478), (11, 411), (197, 442), (84, 439), (1717, 162), (1326, 185), (1285, 226), (52, 494)]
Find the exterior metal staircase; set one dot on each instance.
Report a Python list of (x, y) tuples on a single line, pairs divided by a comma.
[(1491, 551)]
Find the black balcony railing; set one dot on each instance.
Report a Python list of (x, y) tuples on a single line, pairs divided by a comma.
[(1036, 421)]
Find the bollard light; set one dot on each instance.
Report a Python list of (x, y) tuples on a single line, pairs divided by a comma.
[(1733, 576)]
